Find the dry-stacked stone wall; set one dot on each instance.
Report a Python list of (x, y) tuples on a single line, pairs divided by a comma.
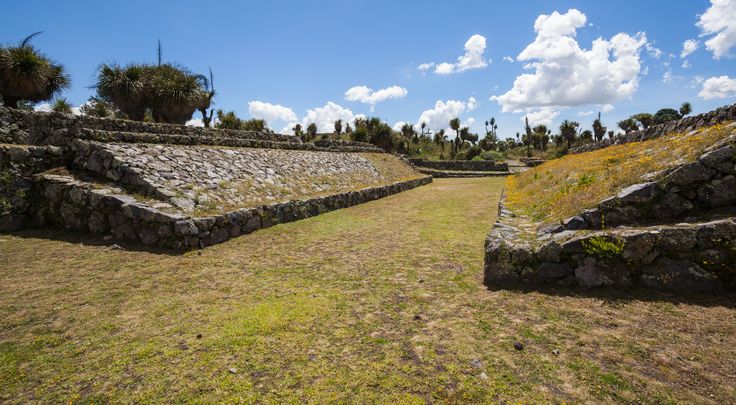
[(461, 165), (717, 116), (674, 232), (76, 205), (18, 163), (174, 186)]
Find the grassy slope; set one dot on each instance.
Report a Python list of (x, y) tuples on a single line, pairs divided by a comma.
[(574, 182), (381, 302)]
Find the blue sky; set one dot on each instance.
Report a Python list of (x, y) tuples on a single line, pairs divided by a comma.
[(302, 55)]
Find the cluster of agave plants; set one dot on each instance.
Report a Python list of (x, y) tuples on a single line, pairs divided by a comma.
[(162, 92)]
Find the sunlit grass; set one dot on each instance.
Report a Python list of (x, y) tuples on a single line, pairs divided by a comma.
[(563, 187)]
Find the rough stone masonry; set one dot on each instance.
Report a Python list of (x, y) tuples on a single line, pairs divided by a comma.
[(174, 186)]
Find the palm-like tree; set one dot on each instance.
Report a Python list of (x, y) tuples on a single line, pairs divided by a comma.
[(125, 88), (455, 125), (175, 94), (62, 105), (28, 75), (686, 108), (568, 130)]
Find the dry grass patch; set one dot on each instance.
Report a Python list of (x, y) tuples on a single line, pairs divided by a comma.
[(378, 303), (562, 187)]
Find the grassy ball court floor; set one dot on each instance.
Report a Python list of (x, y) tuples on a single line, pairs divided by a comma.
[(381, 302)]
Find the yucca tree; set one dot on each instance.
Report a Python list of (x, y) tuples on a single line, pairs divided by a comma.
[(125, 87), (28, 75), (568, 130), (62, 105), (175, 94), (163, 92)]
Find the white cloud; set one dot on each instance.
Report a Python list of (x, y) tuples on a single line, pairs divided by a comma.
[(567, 76), (194, 122), (719, 20), (508, 58), (688, 47), (473, 58), (472, 104), (326, 116), (271, 113), (397, 126), (586, 113), (365, 94), (46, 107), (718, 87), (607, 108), (653, 51), (425, 67), (686, 64), (667, 77), (543, 116), (439, 117)]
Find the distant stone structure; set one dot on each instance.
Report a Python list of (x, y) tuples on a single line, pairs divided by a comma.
[(460, 168), (174, 186)]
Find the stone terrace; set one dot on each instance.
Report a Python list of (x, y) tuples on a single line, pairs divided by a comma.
[(174, 186)]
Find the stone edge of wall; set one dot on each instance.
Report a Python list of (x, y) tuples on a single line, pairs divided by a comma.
[(689, 257), (73, 205), (437, 174), (41, 128), (460, 165), (717, 116)]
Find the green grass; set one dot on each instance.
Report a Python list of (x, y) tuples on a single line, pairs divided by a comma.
[(379, 303)]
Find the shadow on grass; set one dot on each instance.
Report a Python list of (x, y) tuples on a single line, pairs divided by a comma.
[(618, 295), (77, 238)]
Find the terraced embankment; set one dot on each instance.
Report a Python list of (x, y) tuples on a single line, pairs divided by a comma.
[(660, 213), (178, 187)]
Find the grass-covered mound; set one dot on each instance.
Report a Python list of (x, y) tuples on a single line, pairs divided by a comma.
[(563, 187)]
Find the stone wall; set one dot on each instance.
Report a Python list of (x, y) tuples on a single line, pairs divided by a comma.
[(17, 166), (717, 116), (191, 178), (460, 165), (676, 231), (77, 205), (691, 257), (38, 128)]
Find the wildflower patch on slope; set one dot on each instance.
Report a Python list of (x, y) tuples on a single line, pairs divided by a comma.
[(563, 187)]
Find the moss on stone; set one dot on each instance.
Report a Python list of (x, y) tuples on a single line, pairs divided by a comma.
[(603, 247)]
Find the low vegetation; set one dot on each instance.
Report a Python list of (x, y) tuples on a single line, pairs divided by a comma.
[(381, 302), (579, 181)]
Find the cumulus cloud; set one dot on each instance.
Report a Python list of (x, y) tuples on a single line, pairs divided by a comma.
[(194, 122), (565, 75), (472, 104), (686, 64), (397, 126), (719, 22), (473, 58), (508, 58), (326, 116), (46, 107), (543, 116), (440, 115), (653, 51), (688, 47), (718, 87), (271, 113), (425, 67), (365, 94)]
